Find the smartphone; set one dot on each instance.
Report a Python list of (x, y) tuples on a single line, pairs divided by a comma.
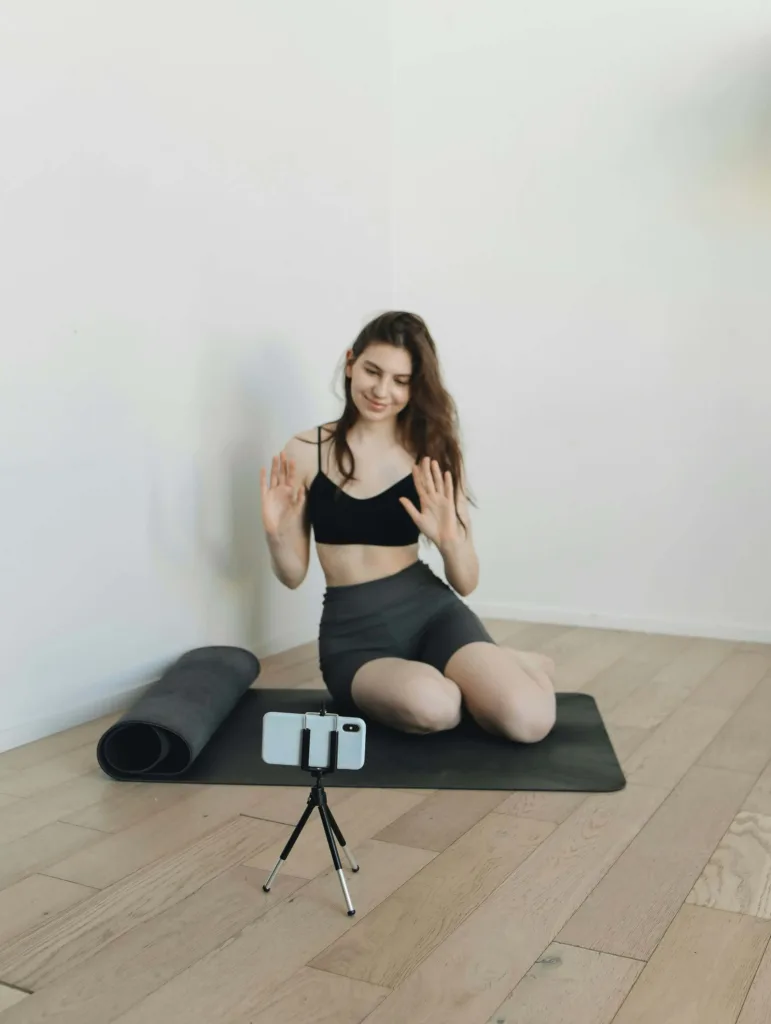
[(282, 739)]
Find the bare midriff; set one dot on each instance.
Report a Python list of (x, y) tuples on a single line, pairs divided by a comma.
[(344, 565)]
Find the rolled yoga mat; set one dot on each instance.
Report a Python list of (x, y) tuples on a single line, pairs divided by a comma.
[(577, 755), (163, 734)]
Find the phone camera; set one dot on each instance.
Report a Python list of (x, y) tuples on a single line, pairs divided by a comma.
[(350, 727)]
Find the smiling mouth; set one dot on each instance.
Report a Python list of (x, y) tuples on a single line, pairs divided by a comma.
[(376, 405)]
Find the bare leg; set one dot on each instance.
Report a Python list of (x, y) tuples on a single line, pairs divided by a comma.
[(407, 695), (535, 664), (501, 694)]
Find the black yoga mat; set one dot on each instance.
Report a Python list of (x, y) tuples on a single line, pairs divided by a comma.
[(576, 756), (163, 734)]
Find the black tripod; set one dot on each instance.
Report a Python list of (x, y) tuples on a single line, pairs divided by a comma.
[(318, 798)]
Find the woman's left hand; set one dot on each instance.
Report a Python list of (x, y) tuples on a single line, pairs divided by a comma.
[(436, 518)]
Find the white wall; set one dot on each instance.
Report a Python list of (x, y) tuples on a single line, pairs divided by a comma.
[(582, 210), (194, 210), (201, 204)]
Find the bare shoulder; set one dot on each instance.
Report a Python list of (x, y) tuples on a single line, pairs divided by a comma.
[(306, 437), (303, 448)]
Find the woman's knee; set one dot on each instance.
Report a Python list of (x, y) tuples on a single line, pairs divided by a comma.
[(526, 721), (408, 696), (432, 707)]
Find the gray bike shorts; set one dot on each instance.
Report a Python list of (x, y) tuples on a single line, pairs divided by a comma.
[(412, 614)]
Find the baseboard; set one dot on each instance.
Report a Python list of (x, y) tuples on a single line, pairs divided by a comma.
[(117, 695), (738, 632), (85, 711)]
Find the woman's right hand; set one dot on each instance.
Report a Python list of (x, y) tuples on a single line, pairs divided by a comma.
[(283, 502)]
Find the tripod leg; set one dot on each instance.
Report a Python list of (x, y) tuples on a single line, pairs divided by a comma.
[(341, 840), (335, 857), (290, 843)]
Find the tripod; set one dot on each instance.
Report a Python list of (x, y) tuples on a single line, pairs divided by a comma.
[(317, 798)]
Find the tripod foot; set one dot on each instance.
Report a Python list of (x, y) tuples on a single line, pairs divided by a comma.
[(272, 876), (341, 840), (351, 859), (346, 894)]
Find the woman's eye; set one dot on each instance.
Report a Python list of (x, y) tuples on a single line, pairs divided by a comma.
[(399, 383)]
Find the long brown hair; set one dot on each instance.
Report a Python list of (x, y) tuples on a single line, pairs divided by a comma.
[(429, 422)]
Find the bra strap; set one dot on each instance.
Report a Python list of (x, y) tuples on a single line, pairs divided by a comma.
[(319, 434)]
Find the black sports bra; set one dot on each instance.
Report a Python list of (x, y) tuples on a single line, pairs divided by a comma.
[(381, 521)]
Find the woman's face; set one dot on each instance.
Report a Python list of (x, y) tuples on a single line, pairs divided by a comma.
[(380, 380)]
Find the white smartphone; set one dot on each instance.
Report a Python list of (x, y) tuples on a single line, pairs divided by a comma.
[(283, 733)]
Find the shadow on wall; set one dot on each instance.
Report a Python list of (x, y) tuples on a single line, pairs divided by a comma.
[(723, 126), (247, 414)]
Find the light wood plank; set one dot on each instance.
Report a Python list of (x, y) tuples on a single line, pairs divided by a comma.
[(626, 739), (285, 804), (36, 851), (665, 757), (570, 984), (115, 856), (543, 806), (49, 951), (738, 875), (636, 668), (701, 972), (759, 799), (235, 979), (586, 653), (292, 676), (132, 966), (572, 641), (441, 818), (389, 943), (32, 813), (40, 777), (8, 776), (755, 1009), (10, 997), (535, 636), (291, 656), (744, 744), (733, 681), (359, 818), (124, 805), (44, 749), (27, 903), (649, 705), (315, 996), (479, 964), (502, 630), (633, 905)]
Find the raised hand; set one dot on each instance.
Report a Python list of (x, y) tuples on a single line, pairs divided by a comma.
[(436, 518), (283, 502)]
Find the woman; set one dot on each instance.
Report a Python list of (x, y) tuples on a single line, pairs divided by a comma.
[(396, 642)]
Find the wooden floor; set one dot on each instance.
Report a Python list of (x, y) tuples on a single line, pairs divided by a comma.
[(143, 904)]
